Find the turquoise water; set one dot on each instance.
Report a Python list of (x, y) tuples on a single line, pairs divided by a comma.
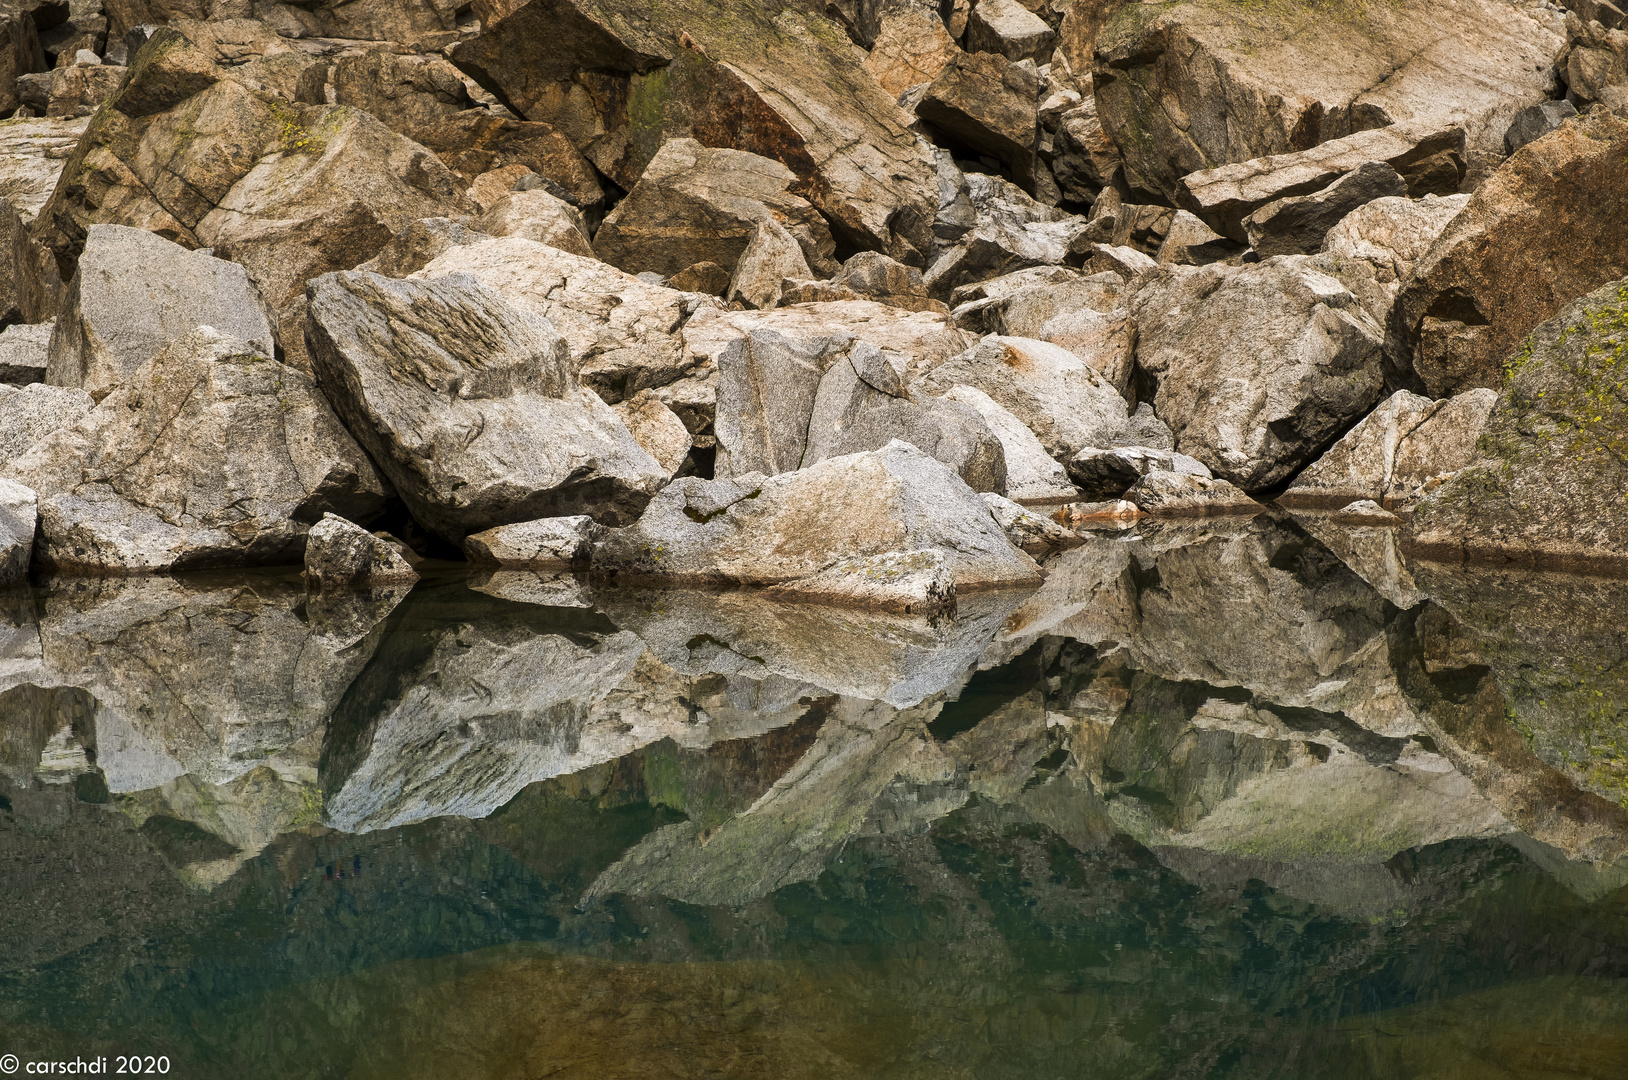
[(1250, 799)]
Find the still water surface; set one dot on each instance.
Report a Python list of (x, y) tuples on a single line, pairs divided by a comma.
[(1247, 799)]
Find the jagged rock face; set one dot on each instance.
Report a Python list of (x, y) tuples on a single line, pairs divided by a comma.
[(895, 515), (1032, 476), (20, 54), (1298, 225), (30, 413), (911, 47), (19, 513), (768, 80), (470, 406), (210, 454), (693, 204), (785, 404), (1056, 394), (134, 294), (1009, 232), (1547, 227), (1201, 84), (338, 553), (405, 93), (475, 143), (1547, 484), (1406, 447), (1258, 367), (29, 286), (987, 103), (624, 334), (1393, 233)]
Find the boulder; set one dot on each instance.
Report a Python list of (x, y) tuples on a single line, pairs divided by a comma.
[(547, 543), (470, 405), (624, 334), (29, 413), (1190, 242), (867, 275), (1402, 450), (774, 82), (405, 93), (1224, 196), (1032, 476), (1177, 494), (1010, 29), (1050, 390), (1393, 233), (1031, 533), (24, 353), (136, 292), (911, 47), (474, 143), (1258, 367), (19, 513), (1548, 227), (1010, 232), (420, 243), (785, 404), (32, 155), (771, 259), (1546, 486), (30, 290), (694, 204), (657, 428), (1108, 474), (1298, 225), (81, 89), (890, 528), (1596, 65), (339, 554), (20, 54), (1364, 512), (988, 104), (1536, 121), (537, 215), (209, 454), (1200, 83)]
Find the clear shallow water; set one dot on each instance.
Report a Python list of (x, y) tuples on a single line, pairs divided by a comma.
[(1247, 799)]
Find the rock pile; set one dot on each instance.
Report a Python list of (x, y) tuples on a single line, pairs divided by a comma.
[(744, 293)]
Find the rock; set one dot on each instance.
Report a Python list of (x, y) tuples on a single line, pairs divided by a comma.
[(537, 215), (1257, 367), (1031, 533), (20, 54), (890, 528), (1003, 243), (19, 513), (1546, 487), (773, 83), (32, 155), (1109, 474), (1226, 195), (1174, 494), (405, 93), (548, 543), (1050, 390), (1536, 121), (1596, 66), (136, 292), (1393, 233), (81, 89), (488, 425), (1190, 242), (694, 204), (911, 47), (1365, 512), (956, 214), (209, 454), (339, 554), (1403, 449), (657, 428), (29, 414), (1031, 474), (785, 404), (1548, 227), (30, 290), (1174, 87), (474, 143), (1298, 225), (24, 353), (1010, 29), (868, 275), (987, 103), (419, 244), (1121, 513), (772, 257), (1083, 158)]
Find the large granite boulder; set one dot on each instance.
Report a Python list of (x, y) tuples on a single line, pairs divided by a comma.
[(209, 454), (1032, 475), (1549, 226), (1258, 368), (32, 155), (1403, 449), (475, 143), (470, 406), (1051, 390), (1297, 225), (537, 215), (783, 83), (29, 413), (1393, 233), (19, 514), (624, 334), (693, 204), (1547, 485), (785, 404), (890, 528), (136, 292), (987, 103), (1202, 83), (911, 47)]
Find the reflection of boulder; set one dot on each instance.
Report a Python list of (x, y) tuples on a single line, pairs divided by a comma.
[(465, 704)]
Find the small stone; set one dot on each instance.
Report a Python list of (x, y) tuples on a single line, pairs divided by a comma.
[(339, 553), (1032, 533), (1172, 494), (1365, 512), (547, 543)]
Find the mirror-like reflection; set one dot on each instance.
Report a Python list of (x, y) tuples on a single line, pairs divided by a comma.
[(1241, 798)]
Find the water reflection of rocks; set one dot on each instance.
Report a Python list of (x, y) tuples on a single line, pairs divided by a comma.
[(1249, 700)]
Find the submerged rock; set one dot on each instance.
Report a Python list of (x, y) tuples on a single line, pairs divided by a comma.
[(209, 454), (470, 406)]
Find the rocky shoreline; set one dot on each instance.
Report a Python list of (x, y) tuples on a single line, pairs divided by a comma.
[(872, 303)]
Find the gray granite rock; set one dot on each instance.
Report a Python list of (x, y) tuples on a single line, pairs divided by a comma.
[(339, 553), (1178, 494), (30, 413), (547, 543), (1108, 474), (25, 351), (1032, 475), (19, 513), (1297, 225)]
